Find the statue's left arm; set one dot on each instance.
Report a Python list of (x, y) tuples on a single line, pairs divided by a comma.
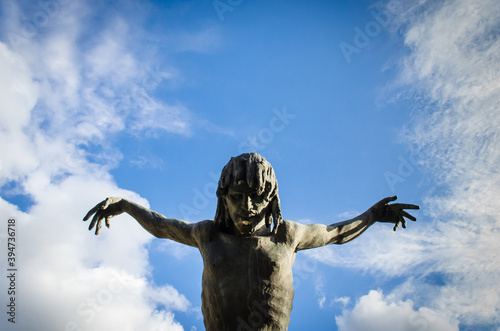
[(316, 235)]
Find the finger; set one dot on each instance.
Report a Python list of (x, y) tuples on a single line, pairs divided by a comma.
[(96, 217), (401, 221), (92, 211), (387, 200), (98, 227), (408, 216), (405, 206), (107, 221)]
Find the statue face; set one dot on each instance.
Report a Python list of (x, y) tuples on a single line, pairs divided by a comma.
[(246, 208)]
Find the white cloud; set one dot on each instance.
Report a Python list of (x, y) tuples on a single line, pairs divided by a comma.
[(455, 50), (19, 95), (454, 65), (342, 300), (59, 95), (321, 302), (319, 287), (373, 312), (105, 81), (396, 254)]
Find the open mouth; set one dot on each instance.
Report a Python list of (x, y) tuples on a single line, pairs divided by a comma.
[(247, 215), (246, 223)]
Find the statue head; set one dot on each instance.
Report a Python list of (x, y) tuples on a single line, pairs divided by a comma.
[(247, 194)]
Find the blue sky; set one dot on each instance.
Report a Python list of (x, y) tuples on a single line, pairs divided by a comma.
[(350, 101)]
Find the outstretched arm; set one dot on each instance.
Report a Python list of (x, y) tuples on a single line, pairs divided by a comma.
[(153, 222), (316, 235)]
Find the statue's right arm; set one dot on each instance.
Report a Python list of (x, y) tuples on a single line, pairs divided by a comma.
[(153, 222)]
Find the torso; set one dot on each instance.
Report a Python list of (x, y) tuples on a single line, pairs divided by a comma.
[(247, 281)]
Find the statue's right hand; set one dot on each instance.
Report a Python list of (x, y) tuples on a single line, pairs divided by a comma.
[(104, 210)]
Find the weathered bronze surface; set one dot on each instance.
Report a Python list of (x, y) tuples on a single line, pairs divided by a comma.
[(248, 250)]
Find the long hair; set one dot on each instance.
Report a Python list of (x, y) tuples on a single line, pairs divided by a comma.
[(253, 169)]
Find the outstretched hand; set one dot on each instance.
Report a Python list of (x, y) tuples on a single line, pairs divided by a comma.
[(104, 210), (384, 212)]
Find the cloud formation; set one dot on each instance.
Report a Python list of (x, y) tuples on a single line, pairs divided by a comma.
[(65, 92), (454, 66), (373, 312)]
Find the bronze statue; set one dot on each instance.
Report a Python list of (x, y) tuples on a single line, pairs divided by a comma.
[(248, 250)]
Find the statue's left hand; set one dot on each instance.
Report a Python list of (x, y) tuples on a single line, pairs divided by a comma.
[(384, 212)]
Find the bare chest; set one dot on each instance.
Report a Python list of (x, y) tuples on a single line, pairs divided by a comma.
[(245, 278), (261, 257)]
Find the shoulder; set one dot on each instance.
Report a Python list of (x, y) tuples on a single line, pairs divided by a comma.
[(204, 230), (292, 226), (204, 226), (288, 230)]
